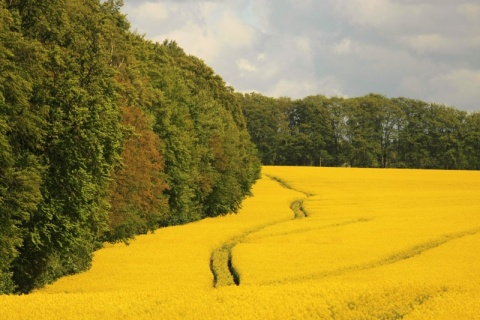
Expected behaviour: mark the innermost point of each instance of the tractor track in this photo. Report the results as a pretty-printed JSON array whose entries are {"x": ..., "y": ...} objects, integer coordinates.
[
  {"x": 221, "y": 265},
  {"x": 393, "y": 258}
]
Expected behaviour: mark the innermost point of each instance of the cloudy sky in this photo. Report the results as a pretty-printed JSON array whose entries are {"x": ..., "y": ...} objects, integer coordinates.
[{"x": 422, "y": 49}]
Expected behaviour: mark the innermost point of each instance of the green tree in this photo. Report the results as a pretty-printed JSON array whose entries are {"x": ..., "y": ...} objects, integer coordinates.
[
  {"x": 412, "y": 152},
  {"x": 269, "y": 126},
  {"x": 201, "y": 123},
  {"x": 82, "y": 141},
  {"x": 312, "y": 130},
  {"x": 22, "y": 130},
  {"x": 363, "y": 132},
  {"x": 81, "y": 98},
  {"x": 446, "y": 137},
  {"x": 472, "y": 141}
]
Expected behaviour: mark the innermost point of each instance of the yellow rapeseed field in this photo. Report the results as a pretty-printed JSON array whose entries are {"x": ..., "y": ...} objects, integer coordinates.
[{"x": 375, "y": 244}]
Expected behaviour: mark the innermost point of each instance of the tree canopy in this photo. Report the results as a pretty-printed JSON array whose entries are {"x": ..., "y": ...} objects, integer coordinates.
[
  {"x": 105, "y": 135},
  {"x": 370, "y": 131}
]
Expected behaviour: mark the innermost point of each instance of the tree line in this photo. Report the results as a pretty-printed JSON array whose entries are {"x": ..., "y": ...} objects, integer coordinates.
[
  {"x": 105, "y": 135},
  {"x": 370, "y": 131}
]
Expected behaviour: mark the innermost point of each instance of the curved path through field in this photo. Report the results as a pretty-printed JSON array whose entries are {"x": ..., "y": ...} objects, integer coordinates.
[
  {"x": 180, "y": 256},
  {"x": 361, "y": 220},
  {"x": 223, "y": 270}
]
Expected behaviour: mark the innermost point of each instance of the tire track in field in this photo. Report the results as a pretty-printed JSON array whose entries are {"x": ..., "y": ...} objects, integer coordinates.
[
  {"x": 286, "y": 185},
  {"x": 224, "y": 273},
  {"x": 394, "y": 258},
  {"x": 327, "y": 226},
  {"x": 221, "y": 266}
]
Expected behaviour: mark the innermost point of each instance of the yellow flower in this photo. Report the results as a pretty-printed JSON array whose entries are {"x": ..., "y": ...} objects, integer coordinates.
[{"x": 376, "y": 243}]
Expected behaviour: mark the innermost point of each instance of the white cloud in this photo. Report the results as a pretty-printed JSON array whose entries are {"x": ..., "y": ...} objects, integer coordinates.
[
  {"x": 424, "y": 49},
  {"x": 151, "y": 12},
  {"x": 233, "y": 31},
  {"x": 245, "y": 65},
  {"x": 261, "y": 56},
  {"x": 412, "y": 84},
  {"x": 470, "y": 11},
  {"x": 209, "y": 29},
  {"x": 343, "y": 47},
  {"x": 304, "y": 45},
  {"x": 301, "y": 3},
  {"x": 195, "y": 40},
  {"x": 465, "y": 80},
  {"x": 450, "y": 87},
  {"x": 433, "y": 42},
  {"x": 270, "y": 71},
  {"x": 375, "y": 13},
  {"x": 457, "y": 85},
  {"x": 297, "y": 89}
]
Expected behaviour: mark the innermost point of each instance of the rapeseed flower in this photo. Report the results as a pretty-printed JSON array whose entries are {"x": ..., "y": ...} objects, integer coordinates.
[{"x": 376, "y": 244}]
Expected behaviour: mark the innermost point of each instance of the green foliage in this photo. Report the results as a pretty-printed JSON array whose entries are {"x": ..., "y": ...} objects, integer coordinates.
[
  {"x": 103, "y": 136},
  {"x": 472, "y": 140},
  {"x": 267, "y": 123},
  {"x": 22, "y": 130},
  {"x": 210, "y": 163},
  {"x": 82, "y": 142},
  {"x": 369, "y": 131}
]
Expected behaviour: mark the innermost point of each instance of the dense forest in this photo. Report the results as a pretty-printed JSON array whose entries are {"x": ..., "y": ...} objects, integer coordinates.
[
  {"x": 371, "y": 131},
  {"x": 105, "y": 135}
]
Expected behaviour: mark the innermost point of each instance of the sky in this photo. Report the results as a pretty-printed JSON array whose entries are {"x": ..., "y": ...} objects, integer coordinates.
[{"x": 421, "y": 49}]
